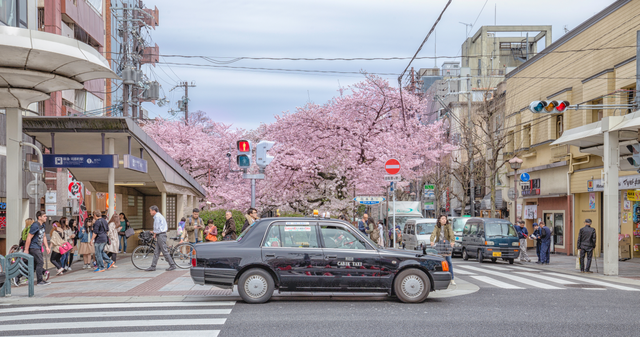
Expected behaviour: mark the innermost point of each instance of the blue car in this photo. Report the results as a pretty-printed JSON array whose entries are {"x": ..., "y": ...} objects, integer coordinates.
[{"x": 486, "y": 238}]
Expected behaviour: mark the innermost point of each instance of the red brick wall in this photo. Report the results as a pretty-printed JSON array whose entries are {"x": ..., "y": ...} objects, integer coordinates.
[{"x": 560, "y": 204}]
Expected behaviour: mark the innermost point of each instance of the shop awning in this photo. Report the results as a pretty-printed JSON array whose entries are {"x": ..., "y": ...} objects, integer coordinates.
[{"x": 583, "y": 136}]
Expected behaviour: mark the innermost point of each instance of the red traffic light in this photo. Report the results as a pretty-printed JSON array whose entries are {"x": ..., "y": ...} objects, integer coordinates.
[
  {"x": 244, "y": 146},
  {"x": 562, "y": 106}
]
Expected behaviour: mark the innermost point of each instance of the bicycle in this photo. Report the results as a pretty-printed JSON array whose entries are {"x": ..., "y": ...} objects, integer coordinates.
[{"x": 142, "y": 256}]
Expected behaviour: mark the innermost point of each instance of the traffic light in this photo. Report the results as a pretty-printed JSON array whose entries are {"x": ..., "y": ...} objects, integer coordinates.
[
  {"x": 262, "y": 158},
  {"x": 634, "y": 160},
  {"x": 548, "y": 106},
  {"x": 244, "y": 153}
]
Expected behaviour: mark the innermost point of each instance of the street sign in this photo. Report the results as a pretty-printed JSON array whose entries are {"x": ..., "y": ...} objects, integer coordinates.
[
  {"x": 252, "y": 176},
  {"x": 34, "y": 167},
  {"x": 429, "y": 187},
  {"x": 80, "y": 160},
  {"x": 396, "y": 177},
  {"x": 369, "y": 200},
  {"x": 511, "y": 194},
  {"x": 524, "y": 177},
  {"x": 429, "y": 206},
  {"x": 392, "y": 166},
  {"x": 134, "y": 163},
  {"x": 36, "y": 189}
]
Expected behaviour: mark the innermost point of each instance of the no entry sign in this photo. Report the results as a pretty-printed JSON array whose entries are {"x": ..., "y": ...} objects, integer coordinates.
[{"x": 392, "y": 166}]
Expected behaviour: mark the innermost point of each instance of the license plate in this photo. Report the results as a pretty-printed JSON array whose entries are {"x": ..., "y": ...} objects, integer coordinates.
[{"x": 498, "y": 254}]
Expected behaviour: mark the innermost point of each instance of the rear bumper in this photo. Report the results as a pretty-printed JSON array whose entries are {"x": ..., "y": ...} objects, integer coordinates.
[
  {"x": 441, "y": 280},
  {"x": 197, "y": 275}
]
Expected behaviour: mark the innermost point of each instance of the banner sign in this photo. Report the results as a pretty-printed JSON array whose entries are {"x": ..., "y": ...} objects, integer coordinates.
[
  {"x": 624, "y": 183},
  {"x": 80, "y": 160},
  {"x": 134, "y": 163}
]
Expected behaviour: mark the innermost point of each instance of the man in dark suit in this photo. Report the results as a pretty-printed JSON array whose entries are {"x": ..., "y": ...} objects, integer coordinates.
[
  {"x": 586, "y": 244},
  {"x": 545, "y": 244},
  {"x": 536, "y": 237}
]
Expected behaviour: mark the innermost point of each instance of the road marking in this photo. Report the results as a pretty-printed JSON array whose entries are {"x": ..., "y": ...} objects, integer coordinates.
[
  {"x": 498, "y": 268},
  {"x": 587, "y": 280},
  {"x": 122, "y": 314},
  {"x": 523, "y": 268},
  {"x": 117, "y": 305},
  {"x": 462, "y": 272},
  {"x": 113, "y": 324},
  {"x": 515, "y": 278},
  {"x": 494, "y": 282},
  {"x": 169, "y": 333},
  {"x": 547, "y": 278}
]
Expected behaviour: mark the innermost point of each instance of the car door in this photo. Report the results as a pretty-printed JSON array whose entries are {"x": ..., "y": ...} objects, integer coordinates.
[
  {"x": 413, "y": 240},
  {"x": 351, "y": 263},
  {"x": 292, "y": 250},
  {"x": 472, "y": 245}
]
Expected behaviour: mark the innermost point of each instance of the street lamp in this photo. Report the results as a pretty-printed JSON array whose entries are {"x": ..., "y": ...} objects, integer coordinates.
[{"x": 515, "y": 164}]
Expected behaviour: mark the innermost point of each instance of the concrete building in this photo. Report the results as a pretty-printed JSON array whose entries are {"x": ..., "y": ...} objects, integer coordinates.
[{"x": 594, "y": 64}]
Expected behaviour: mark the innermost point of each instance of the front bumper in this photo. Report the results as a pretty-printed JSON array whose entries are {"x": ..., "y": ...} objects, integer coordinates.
[
  {"x": 505, "y": 253},
  {"x": 441, "y": 280},
  {"x": 457, "y": 248}
]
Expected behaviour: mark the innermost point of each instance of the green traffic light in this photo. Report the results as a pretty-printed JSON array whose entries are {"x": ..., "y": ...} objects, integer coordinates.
[{"x": 244, "y": 161}]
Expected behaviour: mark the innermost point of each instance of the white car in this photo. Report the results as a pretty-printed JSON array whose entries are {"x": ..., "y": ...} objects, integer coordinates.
[{"x": 417, "y": 233}]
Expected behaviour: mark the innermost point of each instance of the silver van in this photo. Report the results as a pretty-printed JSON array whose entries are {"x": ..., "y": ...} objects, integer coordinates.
[{"x": 417, "y": 233}]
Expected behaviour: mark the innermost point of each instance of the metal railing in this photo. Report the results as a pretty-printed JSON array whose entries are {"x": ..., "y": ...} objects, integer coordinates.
[{"x": 14, "y": 265}]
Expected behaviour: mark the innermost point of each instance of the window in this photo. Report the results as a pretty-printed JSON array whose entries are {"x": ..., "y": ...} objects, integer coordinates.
[
  {"x": 338, "y": 237},
  {"x": 479, "y": 66},
  {"x": 501, "y": 229},
  {"x": 459, "y": 224},
  {"x": 467, "y": 229},
  {"x": 480, "y": 229},
  {"x": 508, "y": 148},
  {"x": 631, "y": 98},
  {"x": 559, "y": 126},
  {"x": 13, "y": 13},
  {"x": 474, "y": 229},
  {"x": 425, "y": 228},
  {"x": 299, "y": 235},
  {"x": 526, "y": 136}
]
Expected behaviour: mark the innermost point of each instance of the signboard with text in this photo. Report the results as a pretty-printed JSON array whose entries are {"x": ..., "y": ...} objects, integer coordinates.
[
  {"x": 365, "y": 200},
  {"x": 80, "y": 160},
  {"x": 134, "y": 163}
]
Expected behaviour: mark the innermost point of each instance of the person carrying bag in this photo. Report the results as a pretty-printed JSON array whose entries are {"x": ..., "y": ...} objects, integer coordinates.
[{"x": 211, "y": 232}]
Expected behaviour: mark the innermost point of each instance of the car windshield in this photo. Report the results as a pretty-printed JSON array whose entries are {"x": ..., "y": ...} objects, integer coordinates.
[
  {"x": 504, "y": 229},
  {"x": 401, "y": 220},
  {"x": 244, "y": 233},
  {"x": 458, "y": 224},
  {"x": 425, "y": 228}
]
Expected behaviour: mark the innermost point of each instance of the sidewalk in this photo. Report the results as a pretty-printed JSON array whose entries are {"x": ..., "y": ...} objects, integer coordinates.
[
  {"x": 628, "y": 271},
  {"x": 121, "y": 284}
]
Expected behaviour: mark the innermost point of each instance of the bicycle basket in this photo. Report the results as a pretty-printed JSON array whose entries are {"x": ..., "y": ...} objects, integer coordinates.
[{"x": 146, "y": 237}]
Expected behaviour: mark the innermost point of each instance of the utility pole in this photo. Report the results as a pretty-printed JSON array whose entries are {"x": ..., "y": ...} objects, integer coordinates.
[
  {"x": 125, "y": 57},
  {"x": 184, "y": 106},
  {"x": 472, "y": 183}
]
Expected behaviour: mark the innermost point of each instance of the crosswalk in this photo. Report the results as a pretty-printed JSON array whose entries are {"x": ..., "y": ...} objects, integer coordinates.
[
  {"x": 191, "y": 319},
  {"x": 505, "y": 276}
]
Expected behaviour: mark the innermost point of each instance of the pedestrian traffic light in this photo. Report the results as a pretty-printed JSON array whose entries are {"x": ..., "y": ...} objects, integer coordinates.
[
  {"x": 244, "y": 153},
  {"x": 548, "y": 106},
  {"x": 634, "y": 160},
  {"x": 262, "y": 158}
]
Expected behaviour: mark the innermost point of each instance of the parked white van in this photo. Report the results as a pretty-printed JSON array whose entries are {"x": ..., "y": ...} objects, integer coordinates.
[{"x": 417, "y": 233}]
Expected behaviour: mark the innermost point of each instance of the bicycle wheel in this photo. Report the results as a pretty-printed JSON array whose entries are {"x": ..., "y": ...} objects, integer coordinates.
[
  {"x": 182, "y": 255},
  {"x": 142, "y": 257}
]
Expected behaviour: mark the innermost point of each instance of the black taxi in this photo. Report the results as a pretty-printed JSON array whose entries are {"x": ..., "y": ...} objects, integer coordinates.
[{"x": 315, "y": 254}]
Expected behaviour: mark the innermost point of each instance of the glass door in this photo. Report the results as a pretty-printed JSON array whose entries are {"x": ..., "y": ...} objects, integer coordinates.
[{"x": 555, "y": 221}]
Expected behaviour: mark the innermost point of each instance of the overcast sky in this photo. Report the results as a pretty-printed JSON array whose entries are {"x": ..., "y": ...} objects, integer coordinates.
[{"x": 224, "y": 30}]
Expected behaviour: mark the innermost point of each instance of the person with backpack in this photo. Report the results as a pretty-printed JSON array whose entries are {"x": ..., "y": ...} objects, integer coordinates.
[
  {"x": 99, "y": 240},
  {"x": 194, "y": 226}
]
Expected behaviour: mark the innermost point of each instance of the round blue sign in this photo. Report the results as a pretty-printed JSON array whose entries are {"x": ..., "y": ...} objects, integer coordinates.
[{"x": 525, "y": 177}]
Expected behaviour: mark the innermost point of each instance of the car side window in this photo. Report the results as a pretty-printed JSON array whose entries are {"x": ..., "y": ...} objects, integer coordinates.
[
  {"x": 466, "y": 229},
  {"x": 480, "y": 229},
  {"x": 474, "y": 229},
  {"x": 340, "y": 238},
  {"x": 293, "y": 236}
]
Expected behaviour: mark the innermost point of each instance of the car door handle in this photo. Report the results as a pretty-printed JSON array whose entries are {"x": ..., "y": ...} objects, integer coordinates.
[
  {"x": 270, "y": 255},
  {"x": 332, "y": 256}
]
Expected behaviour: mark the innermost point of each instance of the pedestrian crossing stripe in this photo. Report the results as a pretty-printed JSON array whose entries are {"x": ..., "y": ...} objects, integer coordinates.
[
  {"x": 547, "y": 278},
  {"x": 113, "y": 324},
  {"x": 518, "y": 279},
  {"x": 494, "y": 282},
  {"x": 116, "y": 306},
  {"x": 168, "y": 333},
  {"x": 592, "y": 281},
  {"x": 126, "y": 313}
]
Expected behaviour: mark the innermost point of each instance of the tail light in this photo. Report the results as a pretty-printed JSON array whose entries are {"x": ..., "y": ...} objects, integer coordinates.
[
  {"x": 445, "y": 266},
  {"x": 193, "y": 261}
]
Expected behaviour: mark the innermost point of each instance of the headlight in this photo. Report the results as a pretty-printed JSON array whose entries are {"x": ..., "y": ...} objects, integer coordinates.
[
  {"x": 517, "y": 244},
  {"x": 489, "y": 243},
  {"x": 457, "y": 244}
]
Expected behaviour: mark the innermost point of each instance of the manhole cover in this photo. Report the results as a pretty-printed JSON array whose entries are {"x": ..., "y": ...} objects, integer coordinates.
[{"x": 592, "y": 286}]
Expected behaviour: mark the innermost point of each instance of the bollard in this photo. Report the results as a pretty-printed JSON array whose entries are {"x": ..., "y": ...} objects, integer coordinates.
[{"x": 17, "y": 264}]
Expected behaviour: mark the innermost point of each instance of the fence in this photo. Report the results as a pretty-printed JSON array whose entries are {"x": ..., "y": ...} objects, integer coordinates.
[{"x": 13, "y": 265}]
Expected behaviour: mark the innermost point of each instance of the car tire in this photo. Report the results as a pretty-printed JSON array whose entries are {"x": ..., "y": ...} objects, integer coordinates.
[
  {"x": 412, "y": 286},
  {"x": 465, "y": 255},
  {"x": 510, "y": 261},
  {"x": 255, "y": 286},
  {"x": 480, "y": 257}
]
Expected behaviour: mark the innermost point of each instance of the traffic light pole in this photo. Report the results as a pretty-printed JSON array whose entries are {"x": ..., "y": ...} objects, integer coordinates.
[{"x": 472, "y": 182}]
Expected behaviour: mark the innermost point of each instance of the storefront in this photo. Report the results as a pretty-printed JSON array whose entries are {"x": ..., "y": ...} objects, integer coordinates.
[{"x": 3, "y": 224}]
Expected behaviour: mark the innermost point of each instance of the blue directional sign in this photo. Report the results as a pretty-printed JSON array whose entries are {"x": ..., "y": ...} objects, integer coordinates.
[
  {"x": 525, "y": 177},
  {"x": 134, "y": 163},
  {"x": 80, "y": 160}
]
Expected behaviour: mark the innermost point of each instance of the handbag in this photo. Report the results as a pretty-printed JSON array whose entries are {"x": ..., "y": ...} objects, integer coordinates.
[
  {"x": 211, "y": 238},
  {"x": 65, "y": 248},
  {"x": 130, "y": 231}
]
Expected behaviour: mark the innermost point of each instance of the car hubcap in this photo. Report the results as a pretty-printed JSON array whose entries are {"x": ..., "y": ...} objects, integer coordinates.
[
  {"x": 255, "y": 286},
  {"x": 412, "y": 286}
]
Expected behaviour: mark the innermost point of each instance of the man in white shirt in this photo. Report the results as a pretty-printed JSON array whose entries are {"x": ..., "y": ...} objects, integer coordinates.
[{"x": 160, "y": 234}]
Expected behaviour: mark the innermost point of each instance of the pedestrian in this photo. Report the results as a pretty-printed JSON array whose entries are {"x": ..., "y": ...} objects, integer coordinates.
[
  {"x": 86, "y": 249},
  {"x": 35, "y": 240},
  {"x": 398, "y": 236},
  {"x": 545, "y": 244},
  {"x": 444, "y": 239},
  {"x": 57, "y": 240},
  {"x": 70, "y": 236},
  {"x": 523, "y": 234},
  {"x": 194, "y": 227},
  {"x": 211, "y": 231},
  {"x": 25, "y": 234},
  {"x": 180, "y": 229},
  {"x": 381, "y": 236},
  {"x": 62, "y": 224},
  {"x": 251, "y": 217},
  {"x": 535, "y": 236},
  {"x": 586, "y": 244},
  {"x": 372, "y": 230},
  {"x": 160, "y": 234},
  {"x": 112, "y": 245},
  {"x": 124, "y": 225},
  {"x": 362, "y": 224},
  {"x": 229, "y": 230},
  {"x": 99, "y": 241}
]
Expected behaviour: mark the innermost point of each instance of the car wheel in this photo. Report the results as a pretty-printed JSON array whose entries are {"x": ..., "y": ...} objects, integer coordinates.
[
  {"x": 493, "y": 259},
  {"x": 480, "y": 257},
  {"x": 510, "y": 261},
  {"x": 465, "y": 256},
  {"x": 255, "y": 286},
  {"x": 412, "y": 286}
]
